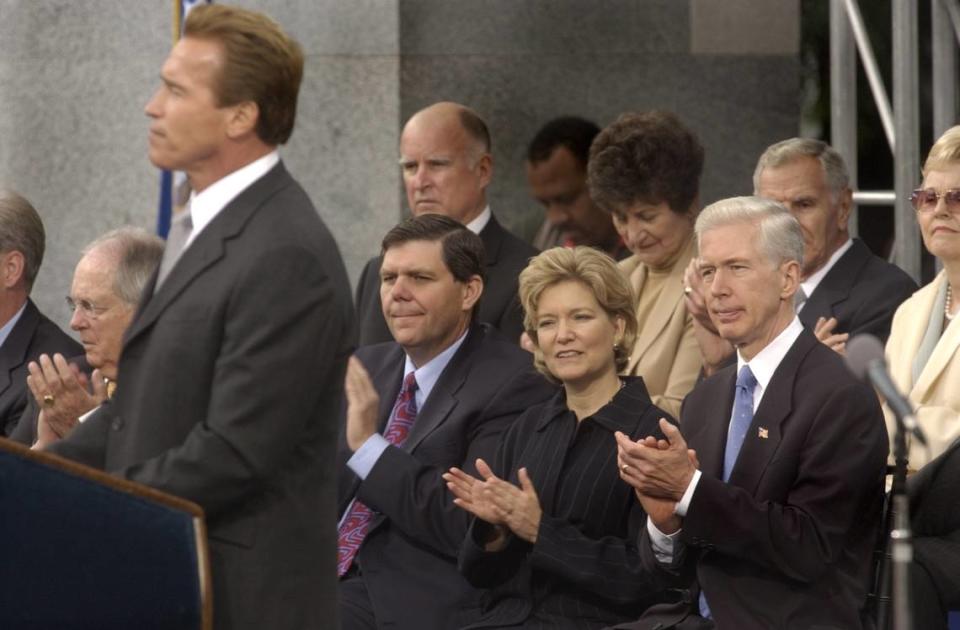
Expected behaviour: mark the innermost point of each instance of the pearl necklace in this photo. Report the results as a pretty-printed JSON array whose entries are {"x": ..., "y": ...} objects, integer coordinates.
[{"x": 948, "y": 304}]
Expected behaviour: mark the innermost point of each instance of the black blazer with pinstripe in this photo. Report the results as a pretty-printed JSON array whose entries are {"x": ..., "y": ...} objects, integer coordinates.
[{"x": 584, "y": 571}]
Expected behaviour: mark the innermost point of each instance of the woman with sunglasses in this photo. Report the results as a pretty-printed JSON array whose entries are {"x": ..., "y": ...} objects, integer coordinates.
[{"x": 923, "y": 353}]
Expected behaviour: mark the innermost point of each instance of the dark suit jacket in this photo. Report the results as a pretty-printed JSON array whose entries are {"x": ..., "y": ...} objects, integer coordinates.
[
  {"x": 935, "y": 521},
  {"x": 26, "y": 430},
  {"x": 584, "y": 570},
  {"x": 231, "y": 379},
  {"x": 787, "y": 542},
  {"x": 862, "y": 291},
  {"x": 32, "y": 336},
  {"x": 408, "y": 558},
  {"x": 506, "y": 257}
]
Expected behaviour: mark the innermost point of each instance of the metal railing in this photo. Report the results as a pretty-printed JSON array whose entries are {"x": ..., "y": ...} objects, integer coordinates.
[{"x": 901, "y": 122}]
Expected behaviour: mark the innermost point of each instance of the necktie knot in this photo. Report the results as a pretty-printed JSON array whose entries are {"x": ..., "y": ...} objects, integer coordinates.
[
  {"x": 409, "y": 383},
  {"x": 746, "y": 379}
]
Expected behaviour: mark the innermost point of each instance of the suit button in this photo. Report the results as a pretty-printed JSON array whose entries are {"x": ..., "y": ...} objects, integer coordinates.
[{"x": 117, "y": 423}]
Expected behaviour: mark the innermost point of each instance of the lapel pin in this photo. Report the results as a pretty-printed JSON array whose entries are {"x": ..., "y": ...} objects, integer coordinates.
[{"x": 763, "y": 433}]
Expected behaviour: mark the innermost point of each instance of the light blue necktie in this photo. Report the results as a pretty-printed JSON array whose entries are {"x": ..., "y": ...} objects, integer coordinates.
[
  {"x": 739, "y": 423},
  {"x": 740, "y": 420}
]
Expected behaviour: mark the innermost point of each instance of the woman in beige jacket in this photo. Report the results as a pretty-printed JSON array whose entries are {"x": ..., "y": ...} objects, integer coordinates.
[
  {"x": 922, "y": 350},
  {"x": 645, "y": 170}
]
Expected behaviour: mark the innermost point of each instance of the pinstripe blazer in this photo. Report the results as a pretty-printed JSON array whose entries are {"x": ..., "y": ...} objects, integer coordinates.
[{"x": 584, "y": 571}]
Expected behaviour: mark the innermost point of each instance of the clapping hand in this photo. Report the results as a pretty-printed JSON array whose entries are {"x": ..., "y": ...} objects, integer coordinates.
[
  {"x": 63, "y": 393},
  {"x": 497, "y": 501}
]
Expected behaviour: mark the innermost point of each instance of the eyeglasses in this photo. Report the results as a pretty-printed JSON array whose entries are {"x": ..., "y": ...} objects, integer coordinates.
[
  {"x": 925, "y": 199},
  {"x": 89, "y": 309}
]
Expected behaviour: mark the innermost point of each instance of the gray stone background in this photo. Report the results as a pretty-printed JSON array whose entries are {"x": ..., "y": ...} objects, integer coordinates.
[{"x": 75, "y": 75}]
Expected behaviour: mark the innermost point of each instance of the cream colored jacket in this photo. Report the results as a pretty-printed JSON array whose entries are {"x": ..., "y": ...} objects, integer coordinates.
[
  {"x": 666, "y": 354},
  {"x": 936, "y": 394}
]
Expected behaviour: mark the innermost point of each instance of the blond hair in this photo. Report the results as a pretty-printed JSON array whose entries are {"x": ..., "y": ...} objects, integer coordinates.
[{"x": 594, "y": 270}]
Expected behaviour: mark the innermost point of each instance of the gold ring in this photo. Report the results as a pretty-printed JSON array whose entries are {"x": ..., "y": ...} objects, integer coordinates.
[
  {"x": 624, "y": 468},
  {"x": 48, "y": 400},
  {"x": 687, "y": 290}
]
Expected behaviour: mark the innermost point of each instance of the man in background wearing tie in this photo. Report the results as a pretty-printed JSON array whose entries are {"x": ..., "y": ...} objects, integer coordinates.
[
  {"x": 845, "y": 290},
  {"x": 438, "y": 396},
  {"x": 231, "y": 374},
  {"x": 776, "y": 510}
]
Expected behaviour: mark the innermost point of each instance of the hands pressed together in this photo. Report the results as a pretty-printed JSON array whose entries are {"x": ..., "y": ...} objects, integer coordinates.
[
  {"x": 659, "y": 472},
  {"x": 63, "y": 393},
  {"x": 498, "y": 502}
]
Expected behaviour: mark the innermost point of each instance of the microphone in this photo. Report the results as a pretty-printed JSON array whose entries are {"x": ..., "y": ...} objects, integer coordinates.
[{"x": 865, "y": 359}]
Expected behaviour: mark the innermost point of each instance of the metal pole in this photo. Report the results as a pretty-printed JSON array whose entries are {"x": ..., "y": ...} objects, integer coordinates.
[
  {"x": 874, "y": 197},
  {"x": 872, "y": 71},
  {"x": 906, "y": 248},
  {"x": 944, "y": 53},
  {"x": 843, "y": 96}
]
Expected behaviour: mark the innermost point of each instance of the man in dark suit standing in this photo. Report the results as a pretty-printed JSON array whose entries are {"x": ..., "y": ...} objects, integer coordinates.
[
  {"x": 231, "y": 373},
  {"x": 779, "y": 517},
  {"x": 25, "y": 333},
  {"x": 438, "y": 396},
  {"x": 446, "y": 161}
]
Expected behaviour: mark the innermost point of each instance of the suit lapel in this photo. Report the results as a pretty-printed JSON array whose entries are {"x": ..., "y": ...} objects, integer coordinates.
[
  {"x": 941, "y": 358},
  {"x": 765, "y": 432},
  {"x": 836, "y": 285},
  {"x": 206, "y": 249},
  {"x": 13, "y": 352},
  {"x": 711, "y": 439},
  {"x": 492, "y": 237},
  {"x": 388, "y": 378},
  {"x": 443, "y": 397}
]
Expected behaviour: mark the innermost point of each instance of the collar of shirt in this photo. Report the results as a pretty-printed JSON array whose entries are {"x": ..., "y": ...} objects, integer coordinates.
[
  {"x": 622, "y": 413},
  {"x": 810, "y": 284},
  {"x": 5, "y": 330},
  {"x": 429, "y": 373},
  {"x": 481, "y": 221},
  {"x": 767, "y": 360},
  {"x": 206, "y": 205}
]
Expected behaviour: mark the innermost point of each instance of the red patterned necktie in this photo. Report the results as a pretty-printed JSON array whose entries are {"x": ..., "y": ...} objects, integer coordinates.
[{"x": 354, "y": 527}]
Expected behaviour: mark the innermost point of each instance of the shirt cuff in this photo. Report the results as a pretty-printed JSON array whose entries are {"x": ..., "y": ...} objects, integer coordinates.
[
  {"x": 684, "y": 503},
  {"x": 365, "y": 457},
  {"x": 662, "y": 544}
]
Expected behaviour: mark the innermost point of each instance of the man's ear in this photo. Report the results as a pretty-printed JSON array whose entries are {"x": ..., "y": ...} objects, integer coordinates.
[
  {"x": 791, "y": 279},
  {"x": 473, "y": 288},
  {"x": 844, "y": 208},
  {"x": 484, "y": 169},
  {"x": 242, "y": 119},
  {"x": 12, "y": 267}
]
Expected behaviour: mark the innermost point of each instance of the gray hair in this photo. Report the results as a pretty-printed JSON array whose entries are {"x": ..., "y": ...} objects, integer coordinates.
[
  {"x": 781, "y": 239},
  {"x": 786, "y": 151},
  {"x": 138, "y": 254},
  {"x": 22, "y": 230}
]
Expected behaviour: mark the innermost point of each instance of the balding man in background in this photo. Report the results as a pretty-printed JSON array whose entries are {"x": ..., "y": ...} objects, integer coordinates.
[
  {"x": 25, "y": 333},
  {"x": 107, "y": 285},
  {"x": 445, "y": 157}
]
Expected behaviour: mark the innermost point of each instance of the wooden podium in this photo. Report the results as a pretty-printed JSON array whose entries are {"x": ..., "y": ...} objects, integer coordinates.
[{"x": 84, "y": 549}]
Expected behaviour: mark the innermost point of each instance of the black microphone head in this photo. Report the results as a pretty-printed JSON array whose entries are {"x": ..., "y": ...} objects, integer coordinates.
[{"x": 862, "y": 351}]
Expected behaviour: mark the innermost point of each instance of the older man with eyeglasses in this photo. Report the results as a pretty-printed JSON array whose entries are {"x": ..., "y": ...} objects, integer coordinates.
[{"x": 107, "y": 284}]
